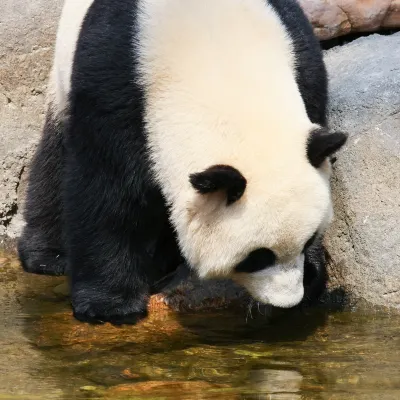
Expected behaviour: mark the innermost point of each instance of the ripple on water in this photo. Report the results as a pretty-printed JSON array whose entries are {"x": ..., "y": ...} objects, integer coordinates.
[{"x": 312, "y": 354}]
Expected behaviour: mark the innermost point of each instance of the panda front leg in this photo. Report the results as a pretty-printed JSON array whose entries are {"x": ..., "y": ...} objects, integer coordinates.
[
  {"x": 111, "y": 239},
  {"x": 315, "y": 273},
  {"x": 40, "y": 245}
]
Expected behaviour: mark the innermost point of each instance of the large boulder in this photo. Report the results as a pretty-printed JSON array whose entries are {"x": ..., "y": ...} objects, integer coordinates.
[
  {"x": 333, "y": 18},
  {"x": 364, "y": 240},
  {"x": 27, "y": 33}
]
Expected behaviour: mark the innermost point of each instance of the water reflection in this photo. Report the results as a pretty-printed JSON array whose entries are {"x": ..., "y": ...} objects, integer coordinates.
[
  {"x": 280, "y": 384},
  {"x": 305, "y": 354}
]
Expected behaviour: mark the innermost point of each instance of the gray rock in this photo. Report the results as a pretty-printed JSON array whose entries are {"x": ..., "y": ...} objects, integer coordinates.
[
  {"x": 27, "y": 33},
  {"x": 364, "y": 240}
]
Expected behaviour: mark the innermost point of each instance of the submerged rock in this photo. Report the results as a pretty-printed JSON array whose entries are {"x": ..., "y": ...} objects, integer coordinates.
[{"x": 165, "y": 389}]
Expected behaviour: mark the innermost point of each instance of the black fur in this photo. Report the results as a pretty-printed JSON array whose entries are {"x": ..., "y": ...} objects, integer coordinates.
[
  {"x": 119, "y": 239},
  {"x": 315, "y": 274},
  {"x": 220, "y": 177},
  {"x": 312, "y": 80},
  {"x": 40, "y": 246},
  {"x": 118, "y": 242},
  {"x": 93, "y": 209},
  {"x": 256, "y": 261},
  {"x": 310, "y": 68},
  {"x": 310, "y": 242},
  {"x": 322, "y": 144}
]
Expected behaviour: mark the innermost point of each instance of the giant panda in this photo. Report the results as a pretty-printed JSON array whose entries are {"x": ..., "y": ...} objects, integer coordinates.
[{"x": 181, "y": 131}]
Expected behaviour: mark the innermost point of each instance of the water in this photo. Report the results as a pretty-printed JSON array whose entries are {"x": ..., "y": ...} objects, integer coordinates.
[{"x": 314, "y": 354}]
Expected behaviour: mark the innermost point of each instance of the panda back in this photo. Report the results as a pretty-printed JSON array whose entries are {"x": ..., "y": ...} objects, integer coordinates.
[
  {"x": 310, "y": 67},
  {"x": 105, "y": 49}
]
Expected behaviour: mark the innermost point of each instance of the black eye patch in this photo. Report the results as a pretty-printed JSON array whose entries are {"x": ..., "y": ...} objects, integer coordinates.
[{"x": 257, "y": 260}]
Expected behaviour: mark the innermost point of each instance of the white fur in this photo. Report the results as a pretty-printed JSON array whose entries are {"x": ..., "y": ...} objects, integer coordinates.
[
  {"x": 280, "y": 285},
  {"x": 221, "y": 89},
  {"x": 72, "y": 16}
]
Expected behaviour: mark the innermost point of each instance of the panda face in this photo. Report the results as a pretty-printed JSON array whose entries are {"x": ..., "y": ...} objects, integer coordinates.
[{"x": 257, "y": 234}]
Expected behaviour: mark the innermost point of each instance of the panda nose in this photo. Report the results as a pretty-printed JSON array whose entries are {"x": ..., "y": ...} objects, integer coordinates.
[
  {"x": 280, "y": 285},
  {"x": 256, "y": 261}
]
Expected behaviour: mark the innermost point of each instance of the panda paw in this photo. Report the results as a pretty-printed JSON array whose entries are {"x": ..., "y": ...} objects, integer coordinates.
[
  {"x": 41, "y": 260},
  {"x": 101, "y": 308},
  {"x": 44, "y": 263},
  {"x": 92, "y": 317}
]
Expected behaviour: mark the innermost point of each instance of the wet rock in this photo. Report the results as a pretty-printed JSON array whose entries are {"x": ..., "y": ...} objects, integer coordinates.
[
  {"x": 61, "y": 329},
  {"x": 332, "y": 18},
  {"x": 287, "y": 383},
  {"x": 188, "y": 293},
  {"x": 128, "y": 374},
  {"x": 91, "y": 392},
  {"x": 364, "y": 240},
  {"x": 177, "y": 389},
  {"x": 62, "y": 290}
]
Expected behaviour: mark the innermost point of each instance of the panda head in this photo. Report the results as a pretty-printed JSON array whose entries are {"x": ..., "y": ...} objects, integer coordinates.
[{"x": 253, "y": 226}]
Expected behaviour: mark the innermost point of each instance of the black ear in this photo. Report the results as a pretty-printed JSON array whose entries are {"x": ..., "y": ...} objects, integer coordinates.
[
  {"x": 322, "y": 144},
  {"x": 220, "y": 177}
]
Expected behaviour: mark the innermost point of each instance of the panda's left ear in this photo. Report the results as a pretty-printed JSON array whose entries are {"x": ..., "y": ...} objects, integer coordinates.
[
  {"x": 220, "y": 178},
  {"x": 322, "y": 144}
]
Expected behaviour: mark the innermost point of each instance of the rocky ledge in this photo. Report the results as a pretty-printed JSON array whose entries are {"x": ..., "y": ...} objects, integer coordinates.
[{"x": 364, "y": 241}]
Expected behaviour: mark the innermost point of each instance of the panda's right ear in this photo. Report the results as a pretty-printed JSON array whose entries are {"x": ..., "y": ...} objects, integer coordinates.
[
  {"x": 322, "y": 144},
  {"x": 220, "y": 178}
]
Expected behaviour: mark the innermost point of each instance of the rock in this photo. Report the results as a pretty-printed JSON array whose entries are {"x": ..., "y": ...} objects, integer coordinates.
[
  {"x": 175, "y": 389},
  {"x": 27, "y": 32},
  {"x": 187, "y": 292},
  {"x": 62, "y": 290},
  {"x": 88, "y": 388},
  {"x": 392, "y": 19},
  {"x": 287, "y": 383},
  {"x": 61, "y": 329},
  {"x": 364, "y": 240},
  {"x": 332, "y": 18}
]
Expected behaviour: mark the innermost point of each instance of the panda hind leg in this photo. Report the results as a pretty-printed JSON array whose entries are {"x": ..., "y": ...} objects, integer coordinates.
[{"x": 39, "y": 247}]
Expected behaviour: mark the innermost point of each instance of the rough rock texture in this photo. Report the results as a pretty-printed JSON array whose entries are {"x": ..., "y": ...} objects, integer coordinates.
[
  {"x": 332, "y": 18},
  {"x": 27, "y": 32},
  {"x": 364, "y": 241}
]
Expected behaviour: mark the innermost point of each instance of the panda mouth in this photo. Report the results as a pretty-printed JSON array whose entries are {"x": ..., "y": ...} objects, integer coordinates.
[{"x": 280, "y": 285}]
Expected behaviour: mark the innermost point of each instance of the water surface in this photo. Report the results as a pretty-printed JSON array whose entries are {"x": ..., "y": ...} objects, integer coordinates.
[{"x": 310, "y": 354}]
